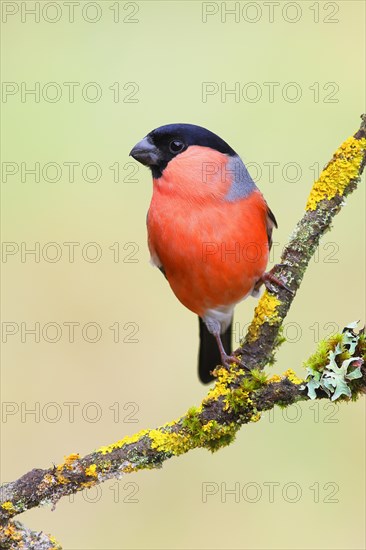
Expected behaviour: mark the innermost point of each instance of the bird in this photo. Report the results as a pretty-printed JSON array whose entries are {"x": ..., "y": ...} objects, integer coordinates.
[{"x": 209, "y": 230}]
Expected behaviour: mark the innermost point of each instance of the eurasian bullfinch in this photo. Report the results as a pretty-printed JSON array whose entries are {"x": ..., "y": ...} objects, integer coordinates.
[{"x": 209, "y": 229}]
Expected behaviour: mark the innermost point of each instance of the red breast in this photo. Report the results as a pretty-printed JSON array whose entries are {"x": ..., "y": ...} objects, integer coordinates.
[{"x": 213, "y": 250}]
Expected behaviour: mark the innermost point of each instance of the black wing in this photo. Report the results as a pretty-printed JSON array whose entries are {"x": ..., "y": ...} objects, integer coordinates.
[{"x": 271, "y": 223}]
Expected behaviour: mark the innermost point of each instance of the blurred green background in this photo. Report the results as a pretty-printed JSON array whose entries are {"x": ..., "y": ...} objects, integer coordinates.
[{"x": 149, "y": 62}]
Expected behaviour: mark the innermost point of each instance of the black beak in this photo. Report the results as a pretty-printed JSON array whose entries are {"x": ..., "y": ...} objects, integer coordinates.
[{"x": 145, "y": 152}]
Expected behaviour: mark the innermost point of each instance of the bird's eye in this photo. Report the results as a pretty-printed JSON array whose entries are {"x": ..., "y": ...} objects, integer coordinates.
[{"x": 176, "y": 146}]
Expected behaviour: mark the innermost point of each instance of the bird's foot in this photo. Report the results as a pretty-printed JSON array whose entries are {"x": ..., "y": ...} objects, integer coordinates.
[
  {"x": 227, "y": 360},
  {"x": 269, "y": 278}
]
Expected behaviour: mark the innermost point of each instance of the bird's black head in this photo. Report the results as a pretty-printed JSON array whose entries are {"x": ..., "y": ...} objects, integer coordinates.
[{"x": 166, "y": 142}]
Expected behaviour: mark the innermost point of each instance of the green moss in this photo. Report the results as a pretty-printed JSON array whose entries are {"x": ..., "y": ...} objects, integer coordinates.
[
  {"x": 319, "y": 360},
  {"x": 236, "y": 399},
  {"x": 335, "y": 368},
  {"x": 361, "y": 346},
  {"x": 219, "y": 435},
  {"x": 248, "y": 384},
  {"x": 279, "y": 340},
  {"x": 259, "y": 378},
  {"x": 192, "y": 421}
]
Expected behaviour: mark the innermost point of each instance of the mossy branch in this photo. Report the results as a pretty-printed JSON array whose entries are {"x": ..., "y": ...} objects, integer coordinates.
[
  {"x": 240, "y": 394},
  {"x": 15, "y": 535}
]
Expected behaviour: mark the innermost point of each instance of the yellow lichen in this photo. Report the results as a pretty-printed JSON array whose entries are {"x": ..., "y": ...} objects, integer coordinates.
[
  {"x": 11, "y": 532},
  {"x": 69, "y": 460},
  {"x": 193, "y": 431},
  {"x": 217, "y": 435},
  {"x": 56, "y": 544},
  {"x": 217, "y": 430},
  {"x": 8, "y": 506},
  {"x": 48, "y": 479},
  {"x": 290, "y": 374},
  {"x": 255, "y": 417},
  {"x": 335, "y": 177},
  {"x": 62, "y": 468},
  {"x": 91, "y": 470},
  {"x": 220, "y": 389},
  {"x": 265, "y": 312},
  {"x": 62, "y": 479},
  {"x": 167, "y": 442},
  {"x": 125, "y": 441},
  {"x": 87, "y": 484},
  {"x": 225, "y": 376},
  {"x": 162, "y": 440},
  {"x": 129, "y": 468},
  {"x": 274, "y": 378}
]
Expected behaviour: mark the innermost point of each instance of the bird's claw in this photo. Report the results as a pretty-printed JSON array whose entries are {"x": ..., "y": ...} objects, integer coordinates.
[
  {"x": 269, "y": 278},
  {"x": 227, "y": 360}
]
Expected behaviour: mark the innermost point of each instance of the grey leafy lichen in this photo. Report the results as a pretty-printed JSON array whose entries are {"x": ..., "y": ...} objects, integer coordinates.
[{"x": 342, "y": 366}]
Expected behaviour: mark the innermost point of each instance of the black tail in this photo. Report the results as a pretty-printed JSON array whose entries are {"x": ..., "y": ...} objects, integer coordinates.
[{"x": 209, "y": 356}]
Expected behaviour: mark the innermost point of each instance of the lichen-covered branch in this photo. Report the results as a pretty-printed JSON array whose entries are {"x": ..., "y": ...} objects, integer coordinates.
[
  {"x": 241, "y": 393},
  {"x": 14, "y": 535},
  {"x": 339, "y": 178}
]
